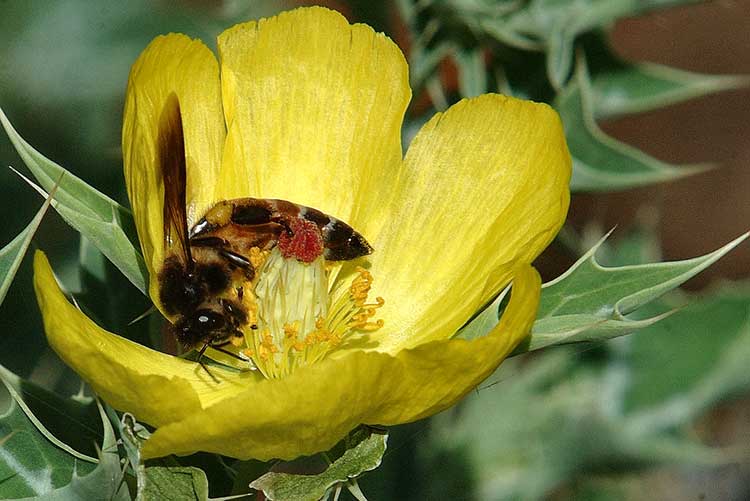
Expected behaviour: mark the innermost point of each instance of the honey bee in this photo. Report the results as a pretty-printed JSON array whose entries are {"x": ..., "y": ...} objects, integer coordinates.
[{"x": 200, "y": 281}]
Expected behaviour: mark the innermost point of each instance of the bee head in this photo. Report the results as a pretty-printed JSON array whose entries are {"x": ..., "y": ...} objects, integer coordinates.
[
  {"x": 214, "y": 322},
  {"x": 202, "y": 325}
]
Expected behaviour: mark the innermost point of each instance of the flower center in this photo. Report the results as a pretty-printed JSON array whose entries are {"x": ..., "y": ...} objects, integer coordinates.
[{"x": 301, "y": 313}]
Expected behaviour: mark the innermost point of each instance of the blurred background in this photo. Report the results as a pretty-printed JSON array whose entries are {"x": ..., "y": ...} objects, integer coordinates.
[{"x": 661, "y": 414}]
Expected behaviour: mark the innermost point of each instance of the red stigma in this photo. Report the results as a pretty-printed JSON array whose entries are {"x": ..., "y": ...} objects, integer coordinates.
[{"x": 305, "y": 242}]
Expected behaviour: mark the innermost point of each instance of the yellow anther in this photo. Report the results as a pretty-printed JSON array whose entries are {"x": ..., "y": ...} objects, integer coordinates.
[
  {"x": 291, "y": 330},
  {"x": 302, "y": 316},
  {"x": 320, "y": 322}
]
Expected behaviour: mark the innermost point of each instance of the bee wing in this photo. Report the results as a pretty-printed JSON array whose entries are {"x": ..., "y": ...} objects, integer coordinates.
[{"x": 171, "y": 148}]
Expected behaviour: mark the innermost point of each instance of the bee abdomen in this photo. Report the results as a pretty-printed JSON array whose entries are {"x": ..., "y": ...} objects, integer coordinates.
[{"x": 343, "y": 243}]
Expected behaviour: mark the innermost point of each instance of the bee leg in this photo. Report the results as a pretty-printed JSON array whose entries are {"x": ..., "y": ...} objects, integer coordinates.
[
  {"x": 200, "y": 356},
  {"x": 219, "y": 348}
]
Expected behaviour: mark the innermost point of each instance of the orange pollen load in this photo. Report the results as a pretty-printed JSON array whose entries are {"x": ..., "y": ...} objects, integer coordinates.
[{"x": 305, "y": 242}]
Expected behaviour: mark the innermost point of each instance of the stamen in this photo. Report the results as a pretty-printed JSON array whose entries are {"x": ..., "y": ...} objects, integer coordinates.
[{"x": 301, "y": 317}]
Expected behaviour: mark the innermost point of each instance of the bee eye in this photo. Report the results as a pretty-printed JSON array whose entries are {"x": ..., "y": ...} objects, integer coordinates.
[{"x": 207, "y": 320}]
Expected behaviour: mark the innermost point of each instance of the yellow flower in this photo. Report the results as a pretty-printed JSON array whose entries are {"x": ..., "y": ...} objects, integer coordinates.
[{"x": 307, "y": 108}]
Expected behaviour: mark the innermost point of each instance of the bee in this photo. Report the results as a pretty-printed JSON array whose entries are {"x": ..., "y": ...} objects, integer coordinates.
[{"x": 200, "y": 281}]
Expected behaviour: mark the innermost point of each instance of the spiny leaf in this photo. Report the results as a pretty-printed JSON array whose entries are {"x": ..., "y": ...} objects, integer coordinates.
[
  {"x": 600, "y": 162},
  {"x": 587, "y": 287},
  {"x": 105, "y": 482},
  {"x": 590, "y": 302},
  {"x": 364, "y": 456},
  {"x": 30, "y": 465},
  {"x": 12, "y": 254},
  {"x": 36, "y": 465},
  {"x": 634, "y": 88},
  {"x": 105, "y": 222},
  {"x": 72, "y": 412},
  {"x": 175, "y": 482},
  {"x": 557, "y": 24}
]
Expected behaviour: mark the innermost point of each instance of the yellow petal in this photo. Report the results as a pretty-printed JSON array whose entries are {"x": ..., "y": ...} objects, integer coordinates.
[
  {"x": 313, "y": 408},
  {"x": 155, "y": 387},
  {"x": 172, "y": 63},
  {"x": 484, "y": 185},
  {"x": 313, "y": 108}
]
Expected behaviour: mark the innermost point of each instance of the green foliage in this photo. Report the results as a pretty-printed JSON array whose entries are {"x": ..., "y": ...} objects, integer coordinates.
[
  {"x": 541, "y": 422},
  {"x": 620, "y": 88},
  {"x": 30, "y": 464},
  {"x": 528, "y": 49},
  {"x": 39, "y": 464},
  {"x": 565, "y": 416},
  {"x": 688, "y": 363},
  {"x": 613, "y": 407},
  {"x": 593, "y": 303},
  {"x": 179, "y": 482},
  {"x": 102, "y": 220},
  {"x": 600, "y": 162},
  {"x": 12, "y": 254},
  {"x": 359, "y": 457},
  {"x": 72, "y": 424},
  {"x": 590, "y": 302}
]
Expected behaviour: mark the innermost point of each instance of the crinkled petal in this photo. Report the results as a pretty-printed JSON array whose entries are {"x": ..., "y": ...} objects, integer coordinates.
[
  {"x": 171, "y": 63},
  {"x": 155, "y": 387},
  {"x": 313, "y": 108},
  {"x": 313, "y": 408},
  {"x": 484, "y": 185}
]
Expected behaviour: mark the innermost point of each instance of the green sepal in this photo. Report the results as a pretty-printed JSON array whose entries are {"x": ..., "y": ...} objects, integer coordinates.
[
  {"x": 102, "y": 220},
  {"x": 365, "y": 454}
]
